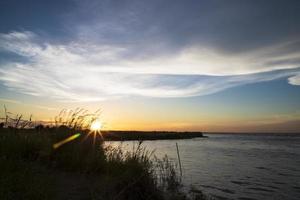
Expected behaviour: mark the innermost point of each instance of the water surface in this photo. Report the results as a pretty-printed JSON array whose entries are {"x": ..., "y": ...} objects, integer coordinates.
[{"x": 237, "y": 166}]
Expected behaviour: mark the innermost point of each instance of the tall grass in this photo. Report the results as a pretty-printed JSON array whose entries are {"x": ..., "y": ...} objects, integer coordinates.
[
  {"x": 32, "y": 169},
  {"x": 78, "y": 119},
  {"x": 15, "y": 121}
]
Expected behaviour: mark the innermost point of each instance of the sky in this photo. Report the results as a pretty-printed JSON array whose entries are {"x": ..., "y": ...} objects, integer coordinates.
[{"x": 192, "y": 65}]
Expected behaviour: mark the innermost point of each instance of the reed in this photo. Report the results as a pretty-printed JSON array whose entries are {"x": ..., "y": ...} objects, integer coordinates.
[{"x": 178, "y": 156}]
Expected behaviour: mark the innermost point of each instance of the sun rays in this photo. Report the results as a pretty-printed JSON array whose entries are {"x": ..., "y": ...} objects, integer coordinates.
[
  {"x": 96, "y": 126},
  {"x": 95, "y": 131}
]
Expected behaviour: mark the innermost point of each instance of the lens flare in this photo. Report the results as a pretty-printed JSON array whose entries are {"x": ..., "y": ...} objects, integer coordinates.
[{"x": 73, "y": 137}]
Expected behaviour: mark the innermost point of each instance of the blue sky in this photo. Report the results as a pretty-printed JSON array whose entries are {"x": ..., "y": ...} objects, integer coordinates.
[{"x": 243, "y": 55}]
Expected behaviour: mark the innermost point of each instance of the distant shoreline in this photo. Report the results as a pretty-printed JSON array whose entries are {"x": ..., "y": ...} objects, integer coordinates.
[
  {"x": 148, "y": 135},
  {"x": 254, "y": 133}
]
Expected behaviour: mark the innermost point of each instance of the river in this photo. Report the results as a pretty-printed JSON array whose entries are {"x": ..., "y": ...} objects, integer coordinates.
[{"x": 237, "y": 166}]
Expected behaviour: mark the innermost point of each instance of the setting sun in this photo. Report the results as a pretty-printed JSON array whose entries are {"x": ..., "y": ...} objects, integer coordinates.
[{"x": 96, "y": 126}]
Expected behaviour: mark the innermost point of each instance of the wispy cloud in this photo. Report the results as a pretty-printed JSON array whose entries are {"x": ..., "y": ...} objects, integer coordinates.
[
  {"x": 87, "y": 71},
  {"x": 294, "y": 80},
  {"x": 26, "y": 104}
]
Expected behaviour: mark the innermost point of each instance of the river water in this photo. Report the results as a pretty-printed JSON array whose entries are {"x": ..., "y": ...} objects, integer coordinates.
[{"x": 236, "y": 166}]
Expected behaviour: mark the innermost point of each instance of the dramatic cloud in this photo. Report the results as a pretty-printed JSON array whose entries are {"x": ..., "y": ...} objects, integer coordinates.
[
  {"x": 155, "y": 49},
  {"x": 87, "y": 72}
]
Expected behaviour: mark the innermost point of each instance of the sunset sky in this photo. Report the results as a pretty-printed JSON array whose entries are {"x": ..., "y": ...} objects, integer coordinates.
[{"x": 155, "y": 65}]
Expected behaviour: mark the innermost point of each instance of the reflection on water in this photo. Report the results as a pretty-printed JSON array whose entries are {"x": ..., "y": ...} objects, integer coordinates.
[{"x": 237, "y": 166}]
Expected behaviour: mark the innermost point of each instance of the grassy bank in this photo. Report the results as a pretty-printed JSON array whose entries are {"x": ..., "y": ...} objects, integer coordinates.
[
  {"x": 32, "y": 167},
  {"x": 68, "y": 161}
]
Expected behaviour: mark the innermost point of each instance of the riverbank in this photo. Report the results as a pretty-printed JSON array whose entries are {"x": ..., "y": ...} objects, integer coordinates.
[{"x": 59, "y": 163}]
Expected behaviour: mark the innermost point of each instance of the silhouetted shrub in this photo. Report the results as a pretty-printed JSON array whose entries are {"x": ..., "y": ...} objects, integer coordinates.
[{"x": 39, "y": 127}]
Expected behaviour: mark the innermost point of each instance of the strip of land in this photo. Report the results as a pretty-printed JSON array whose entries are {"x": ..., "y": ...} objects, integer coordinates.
[{"x": 148, "y": 135}]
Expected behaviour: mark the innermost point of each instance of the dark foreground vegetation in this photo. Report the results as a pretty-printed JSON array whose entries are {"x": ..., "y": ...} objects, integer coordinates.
[{"x": 32, "y": 167}]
